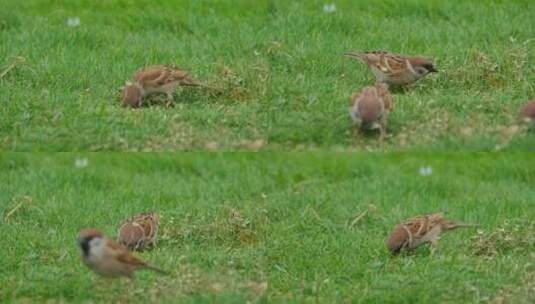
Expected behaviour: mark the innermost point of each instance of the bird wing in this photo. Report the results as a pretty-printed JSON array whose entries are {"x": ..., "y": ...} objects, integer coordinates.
[
  {"x": 159, "y": 75},
  {"x": 177, "y": 74},
  {"x": 148, "y": 221},
  {"x": 151, "y": 76},
  {"x": 123, "y": 255},
  {"x": 369, "y": 58},
  {"x": 393, "y": 64},
  {"x": 418, "y": 227},
  {"x": 434, "y": 217},
  {"x": 385, "y": 95}
]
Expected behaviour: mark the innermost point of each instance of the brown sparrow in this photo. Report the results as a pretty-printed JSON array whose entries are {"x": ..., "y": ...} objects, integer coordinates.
[
  {"x": 370, "y": 107},
  {"x": 107, "y": 258},
  {"x": 155, "y": 79},
  {"x": 139, "y": 231},
  {"x": 420, "y": 230},
  {"x": 394, "y": 69},
  {"x": 527, "y": 113}
]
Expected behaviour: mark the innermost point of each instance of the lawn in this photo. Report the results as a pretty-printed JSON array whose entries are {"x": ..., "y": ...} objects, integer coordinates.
[
  {"x": 306, "y": 227},
  {"x": 285, "y": 84}
]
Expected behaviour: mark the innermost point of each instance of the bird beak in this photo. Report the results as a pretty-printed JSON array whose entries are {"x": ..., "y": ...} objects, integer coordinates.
[{"x": 433, "y": 70}]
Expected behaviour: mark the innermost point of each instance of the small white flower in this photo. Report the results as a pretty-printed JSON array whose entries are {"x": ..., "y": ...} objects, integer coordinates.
[
  {"x": 329, "y": 8},
  {"x": 73, "y": 21},
  {"x": 81, "y": 162},
  {"x": 426, "y": 171}
]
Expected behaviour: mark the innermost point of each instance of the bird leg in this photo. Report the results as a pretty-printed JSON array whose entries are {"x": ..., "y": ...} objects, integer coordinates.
[
  {"x": 170, "y": 99},
  {"x": 355, "y": 132},
  {"x": 382, "y": 133},
  {"x": 130, "y": 284},
  {"x": 434, "y": 246}
]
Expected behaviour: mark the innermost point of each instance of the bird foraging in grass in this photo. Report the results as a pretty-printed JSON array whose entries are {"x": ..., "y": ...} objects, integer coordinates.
[
  {"x": 420, "y": 230},
  {"x": 139, "y": 231},
  {"x": 527, "y": 114},
  {"x": 164, "y": 79},
  {"x": 107, "y": 258},
  {"x": 395, "y": 69},
  {"x": 369, "y": 108}
]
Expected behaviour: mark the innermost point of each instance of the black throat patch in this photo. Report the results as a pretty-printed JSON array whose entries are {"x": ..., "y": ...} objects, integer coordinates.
[{"x": 84, "y": 244}]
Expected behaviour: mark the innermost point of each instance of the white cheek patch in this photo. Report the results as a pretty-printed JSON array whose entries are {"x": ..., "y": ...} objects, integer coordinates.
[{"x": 96, "y": 246}]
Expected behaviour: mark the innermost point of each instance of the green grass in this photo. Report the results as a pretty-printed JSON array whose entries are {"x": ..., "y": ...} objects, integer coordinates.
[
  {"x": 299, "y": 232},
  {"x": 285, "y": 82}
]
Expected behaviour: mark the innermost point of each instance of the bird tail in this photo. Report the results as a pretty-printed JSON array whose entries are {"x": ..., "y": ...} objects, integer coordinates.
[
  {"x": 455, "y": 225},
  {"x": 202, "y": 85},
  {"x": 466, "y": 225},
  {"x": 156, "y": 269},
  {"x": 355, "y": 55}
]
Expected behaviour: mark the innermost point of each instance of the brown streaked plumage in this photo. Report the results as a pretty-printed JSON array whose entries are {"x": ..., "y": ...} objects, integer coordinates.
[
  {"x": 395, "y": 69},
  {"x": 139, "y": 231},
  {"x": 155, "y": 79},
  {"x": 527, "y": 113},
  {"x": 107, "y": 258},
  {"x": 420, "y": 230},
  {"x": 370, "y": 107}
]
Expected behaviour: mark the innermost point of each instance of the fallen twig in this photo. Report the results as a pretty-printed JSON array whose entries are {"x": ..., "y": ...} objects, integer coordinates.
[
  {"x": 18, "y": 60},
  {"x": 17, "y": 207},
  {"x": 358, "y": 218}
]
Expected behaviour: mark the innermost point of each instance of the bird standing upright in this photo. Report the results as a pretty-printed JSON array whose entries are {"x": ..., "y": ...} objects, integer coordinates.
[
  {"x": 139, "y": 231},
  {"x": 395, "y": 69},
  {"x": 107, "y": 258},
  {"x": 370, "y": 108},
  {"x": 420, "y": 230}
]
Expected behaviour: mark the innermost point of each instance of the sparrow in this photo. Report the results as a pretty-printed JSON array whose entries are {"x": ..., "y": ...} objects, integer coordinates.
[
  {"x": 107, "y": 258},
  {"x": 527, "y": 113},
  {"x": 155, "y": 79},
  {"x": 420, "y": 230},
  {"x": 395, "y": 69},
  {"x": 370, "y": 107},
  {"x": 139, "y": 231}
]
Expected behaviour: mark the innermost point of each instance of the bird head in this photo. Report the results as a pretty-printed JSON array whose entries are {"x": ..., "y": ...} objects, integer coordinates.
[
  {"x": 88, "y": 236},
  {"x": 131, "y": 95},
  {"x": 423, "y": 66}
]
